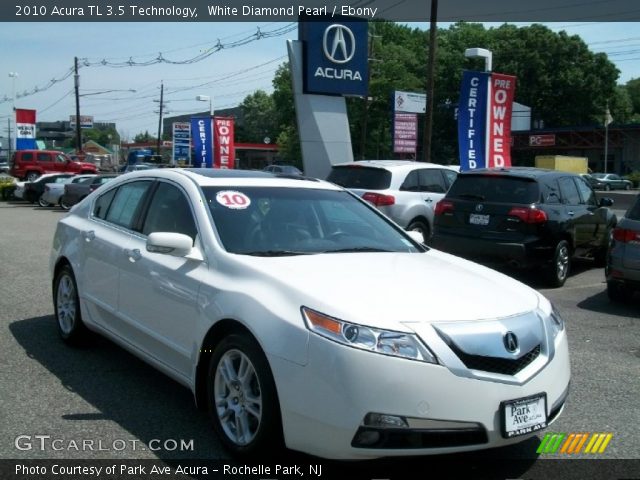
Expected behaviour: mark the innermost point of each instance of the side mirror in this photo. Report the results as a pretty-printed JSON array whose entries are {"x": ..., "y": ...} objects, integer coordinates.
[
  {"x": 605, "y": 202},
  {"x": 416, "y": 236},
  {"x": 169, "y": 243}
]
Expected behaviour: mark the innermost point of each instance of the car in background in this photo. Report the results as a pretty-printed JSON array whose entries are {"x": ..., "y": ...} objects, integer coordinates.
[
  {"x": 4, "y": 167},
  {"x": 53, "y": 191},
  {"x": 30, "y": 164},
  {"x": 405, "y": 191},
  {"x": 289, "y": 306},
  {"x": 623, "y": 260},
  {"x": 524, "y": 217},
  {"x": 595, "y": 183},
  {"x": 282, "y": 168},
  {"x": 612, "y": 181},
  {"x": 34, "y": 190},
  {"x": 76, "y": 192}
]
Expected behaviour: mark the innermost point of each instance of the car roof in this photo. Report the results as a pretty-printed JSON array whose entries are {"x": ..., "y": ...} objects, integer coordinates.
[
  {"x": 522, "y": 172},
  {"x": 399, "y": 165},
  {"x": 221, "y": 177}
]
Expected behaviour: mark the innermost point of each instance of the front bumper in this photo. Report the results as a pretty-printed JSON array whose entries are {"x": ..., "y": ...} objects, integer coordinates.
[{"x": 324, "y": 403}]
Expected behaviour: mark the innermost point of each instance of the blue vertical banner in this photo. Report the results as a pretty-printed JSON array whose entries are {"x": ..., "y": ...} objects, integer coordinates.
[
  {"x": 202, "y": 135},
  {"x": 472, "y": 120}
]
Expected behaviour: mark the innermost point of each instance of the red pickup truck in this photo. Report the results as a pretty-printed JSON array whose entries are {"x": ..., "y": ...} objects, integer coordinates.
[{"x": 30, "y": 164}]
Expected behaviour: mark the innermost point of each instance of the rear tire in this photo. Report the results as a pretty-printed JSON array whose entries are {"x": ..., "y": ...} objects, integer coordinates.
[
  {"x": 627, "y": 186},
  {"x": 66, "y": 305},
  {"x": 618, "y": 292},
  {"x": 422, "y": 227},
  {"x": 558, "y": 271},
  {"x": 42, "y": 202},
  {"x": 63, "y": 204},
  {"x": 242, "y": 399}
]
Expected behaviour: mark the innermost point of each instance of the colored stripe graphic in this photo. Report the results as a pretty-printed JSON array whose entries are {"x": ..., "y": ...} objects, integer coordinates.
[{"x": 574, "y": 442}]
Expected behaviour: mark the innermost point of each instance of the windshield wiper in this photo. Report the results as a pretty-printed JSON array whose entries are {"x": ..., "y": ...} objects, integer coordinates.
[
  {"x": 471, "y": 196},
  {"x": 275, "y": 253},
  {"x": 358, "y": 249}
]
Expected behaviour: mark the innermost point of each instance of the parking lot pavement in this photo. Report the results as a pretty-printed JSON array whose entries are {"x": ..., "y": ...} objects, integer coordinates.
[{"x": 102, "y": 393}]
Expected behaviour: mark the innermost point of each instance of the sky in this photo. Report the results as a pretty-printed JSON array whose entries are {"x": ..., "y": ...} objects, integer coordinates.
[{"x": 129, "y": 95}]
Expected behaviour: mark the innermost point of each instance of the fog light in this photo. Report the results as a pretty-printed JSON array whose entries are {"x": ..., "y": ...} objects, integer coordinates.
[
  {"x": 381, "y": 420},
  {"x": 366, "y": 438}
]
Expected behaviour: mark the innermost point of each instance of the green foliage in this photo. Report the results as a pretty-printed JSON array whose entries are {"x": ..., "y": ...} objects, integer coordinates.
[
  {"x": 634, "y": 177},
  {"x": 259, "y": 119},
  {"x": 145, "y": 137}
]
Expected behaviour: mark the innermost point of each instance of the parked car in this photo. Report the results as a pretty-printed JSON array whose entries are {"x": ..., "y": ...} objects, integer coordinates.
[
  {"x": 30, "y": 164},
  {"x": 524, "y": 217},
  {"x": 282, "y": 168},
  {"x": 405, "y": 191},
  {"x": 623, "y": 260},
  {"x": 612, "y": 181},
  {"x": 75, "y": 192},
  {"x": 34, "y": 190},
  {"x": 18, "y": 193},
  {"x": 53, "y": 191},
  {"x": 4, "y": 167},
  {"x": 262, "y": 294},
  {"x": 595, "y": 183}
]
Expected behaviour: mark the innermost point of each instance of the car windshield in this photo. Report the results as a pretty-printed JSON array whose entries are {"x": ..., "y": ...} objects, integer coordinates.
[
  {"x": 276, "y": 221},
  {"x": 357, "y": 176},
  {"x": 598, "y": 175},
  {"x": 494, "y": 188}
]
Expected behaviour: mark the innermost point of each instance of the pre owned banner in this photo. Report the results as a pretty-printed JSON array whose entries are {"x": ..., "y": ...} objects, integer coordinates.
[
  {"x": 224, "y": 149},
  {"x": 201, "y": 128},
  {"x": 472, "y": 117},
  {"x": 25, "y": 129},
  {"x": 499, "y": 132}
]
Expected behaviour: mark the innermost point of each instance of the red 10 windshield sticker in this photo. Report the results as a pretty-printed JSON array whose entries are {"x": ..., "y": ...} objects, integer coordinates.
[{"x": 232, "y": 199}]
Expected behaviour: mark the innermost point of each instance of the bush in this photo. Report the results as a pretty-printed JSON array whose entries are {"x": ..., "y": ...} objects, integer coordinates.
[
  {"x": 634, "y": 177},
  {"x": 7, "y": 186}
]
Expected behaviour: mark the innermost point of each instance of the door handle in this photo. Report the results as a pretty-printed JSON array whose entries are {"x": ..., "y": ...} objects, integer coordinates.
[
  {"x": 428, "y": 200},
  {"x": 571, "y": 212},
  {"x": 134, "y": 255},
  {"x": 88, "y": 235}
]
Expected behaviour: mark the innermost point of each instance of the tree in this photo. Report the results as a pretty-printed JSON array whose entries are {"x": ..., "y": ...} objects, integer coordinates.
[
  {"x": 633, "y": 90},
  {"x": 145, "y": 137},
  {"x": 259, "y": 120}
]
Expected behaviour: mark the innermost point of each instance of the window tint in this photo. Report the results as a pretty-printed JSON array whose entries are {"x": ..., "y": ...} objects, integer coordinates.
[
  {"x": 569, "y": 191},
  {"x": 450, "y": 176},
  {"x": 44, "y": 157},
  {"x": 169, "y": 211},
  {"x": 27, "y": 157},
  {"x": 431, "y": 180},
  {"x": 360, "y": 177},
  {"x": 586, "y": 193},
  {"x": 412, "y": 182},
  {"x": 60, "y": 158},
  {"x": 634, "y": 211},
  {"x": 126, "y": 203},
  {"x": 551, "y": 192},
  {"x": 102, "y": 204},
  {"x": 494, "y": 188}
]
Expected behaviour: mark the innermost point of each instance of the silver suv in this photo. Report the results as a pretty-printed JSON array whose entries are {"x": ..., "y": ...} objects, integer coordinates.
[{"x": 405, "y": 191}]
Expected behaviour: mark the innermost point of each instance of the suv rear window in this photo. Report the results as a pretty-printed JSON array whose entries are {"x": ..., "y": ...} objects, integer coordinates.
[
  {"x": 634, "y": 212},
  {"x": 360, "y": 177},
  {"x": 495, "y": 188}
]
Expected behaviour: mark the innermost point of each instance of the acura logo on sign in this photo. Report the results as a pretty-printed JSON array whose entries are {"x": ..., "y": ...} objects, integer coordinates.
[
  {"x": 339, "y": 44},
  {"x": 510, "y": 342}
]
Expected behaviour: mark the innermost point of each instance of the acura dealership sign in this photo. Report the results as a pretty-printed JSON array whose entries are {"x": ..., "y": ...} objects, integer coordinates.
[{"x": 335, "y": 56}]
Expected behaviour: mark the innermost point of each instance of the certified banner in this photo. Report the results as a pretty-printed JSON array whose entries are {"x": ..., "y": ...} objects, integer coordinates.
[
  {"x": 472, "y": 120},
  {"x": 201, "y": 128},
  {"x": 25, "y": 129},
  {"x": 499, "y": 132},
  {"x": 224, "y": 150}
]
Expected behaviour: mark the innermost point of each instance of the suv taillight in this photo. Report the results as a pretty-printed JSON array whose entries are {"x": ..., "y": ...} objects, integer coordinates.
[
  {"x": 528, "y": 214},
  {"x": 443, "y": 206},
  {"x": 379, "y": 199},
  {"x": 625, "y": 236}
]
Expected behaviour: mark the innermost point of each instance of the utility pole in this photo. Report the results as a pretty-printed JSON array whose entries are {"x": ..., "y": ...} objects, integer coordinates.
[
  {"x": 77, "y": 89},
  {"x": 9, "y": 137},
  {"x": 365, "y": 104},
  {"x": 160, "y": 118},
  {"x": 428, "y": 119}
]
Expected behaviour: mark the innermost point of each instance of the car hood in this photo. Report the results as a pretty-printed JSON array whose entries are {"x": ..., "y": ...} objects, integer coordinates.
[{"x": 386, "y": 290}]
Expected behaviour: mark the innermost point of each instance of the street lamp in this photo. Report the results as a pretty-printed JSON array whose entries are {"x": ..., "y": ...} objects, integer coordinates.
[
  {"x": 481, "y": 53},
  {"x": 206, "y": 98}
]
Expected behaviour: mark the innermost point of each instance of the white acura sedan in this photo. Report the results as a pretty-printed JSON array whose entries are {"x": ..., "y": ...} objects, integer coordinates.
[{"x": 297, "y": 313}]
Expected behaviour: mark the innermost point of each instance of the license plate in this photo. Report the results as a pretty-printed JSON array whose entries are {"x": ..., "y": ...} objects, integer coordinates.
[
  {"x": 477, "y": 219},
  {"x": 524, "y": 415}
]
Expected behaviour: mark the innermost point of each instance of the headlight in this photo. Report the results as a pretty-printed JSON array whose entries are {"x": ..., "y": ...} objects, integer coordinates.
[
  {"x": 386, "y": 342},
  {"x": 557, "y": 323}
]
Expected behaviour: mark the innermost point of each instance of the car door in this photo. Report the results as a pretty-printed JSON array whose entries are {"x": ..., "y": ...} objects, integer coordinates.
[
  {"x": 577, "y": 216},
  {"x": 597, "y": 214},
  {"x": 45, "y": 161},
  {"x": 158, "y": 292}
]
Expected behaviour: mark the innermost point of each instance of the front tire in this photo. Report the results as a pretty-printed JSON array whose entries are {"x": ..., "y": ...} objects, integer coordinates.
[
  {"x": 242, "y": 399},
  {"x": 422, "y": 227},
  {"x": 66, "y": 305},
  {"x": 607, "y": 187},
  {"x": 63, "y": 204},
  {"x": 560, "y": 265},
  {"x": 42, "y": 202}
]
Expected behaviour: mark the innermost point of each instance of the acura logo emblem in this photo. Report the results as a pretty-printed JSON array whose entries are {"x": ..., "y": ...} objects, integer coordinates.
[
  {"x": 339, "y": 44},
  {"x": 510, "y": 342},
  {"x": 479, "y": 207}
]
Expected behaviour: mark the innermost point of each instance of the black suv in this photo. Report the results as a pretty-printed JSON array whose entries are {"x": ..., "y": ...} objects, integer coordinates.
[{"x": 524, "y": 217}]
